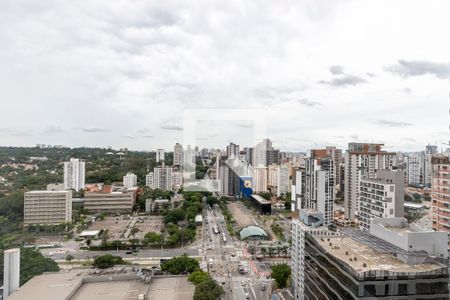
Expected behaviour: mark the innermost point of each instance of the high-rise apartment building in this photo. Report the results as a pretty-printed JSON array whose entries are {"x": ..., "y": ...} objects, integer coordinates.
[
  {"x": 259, "y": 179},
  {"x": 297, "y": 191},
  {"x": 272, "y": 156},
  {"x": 223, "y": 177},
  {"x": 232, "y": 150},
  {"x": 260, "y": 153},
  {"x": 149, "y": 180},
  {"x": 431, "y": 149},
  {"x": 392, "y": 261},
  {"x": 381, "y": 197},
  {"x": 229, "y": 181},
  {"x": 427, "y": 170},
  {"x": 130, "y": 180},
  {"x": 189, "y": 157},
  {"x": 362, "y": 160},
  {"x": 319, "y": 191},
  {"x": 249, "y": 153},
  {"x": 283, "y": 183},
  {"x": 415, "y": 168},
  {"x": 177, "y": 180},
  {"x": 162, "y": 178},
  {"x": 47, "y": 207},
  {"x": 160, "y": 155},
  {"x": 178, "y": 155},
  {"x": 74, "y": 174},
  {"x": 440, "y": 193},
  {"x": 272, "y": 176},
  {"x": 338, "y": 161}
]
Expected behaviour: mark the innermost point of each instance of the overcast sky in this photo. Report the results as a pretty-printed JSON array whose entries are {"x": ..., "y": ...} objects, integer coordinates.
[{"x": 121, "y": 73}]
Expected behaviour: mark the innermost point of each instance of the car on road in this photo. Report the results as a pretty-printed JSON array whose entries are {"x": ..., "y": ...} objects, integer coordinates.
[
  {"x": 129, "y": 252},
  {"x": 247, "y": 296},
  {"x": 243, "y": 283},
  {"x": 263, "y": 287}
]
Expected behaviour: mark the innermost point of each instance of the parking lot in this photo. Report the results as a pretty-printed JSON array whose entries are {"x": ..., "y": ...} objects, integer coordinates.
[
  {"x": 119, "y": 227},
  {"x": 147, "y": 224},
  {"x": 116, "y": 226}
]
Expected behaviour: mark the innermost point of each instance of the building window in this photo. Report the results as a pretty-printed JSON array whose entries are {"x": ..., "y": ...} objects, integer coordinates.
[{"x": 402, "y": 289}]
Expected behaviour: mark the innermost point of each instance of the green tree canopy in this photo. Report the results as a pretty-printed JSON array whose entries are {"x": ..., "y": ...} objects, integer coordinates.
[
  {"x": 153, "y": 238},
  {"x": 180, "y": 264},
  {"x": 208, "y": 290},
  {"x": 281, "y": 274},
  {"x": 174, "y": 216},
  {"x": 107, "y": 261},
  {"x": 198, "y": 277}
]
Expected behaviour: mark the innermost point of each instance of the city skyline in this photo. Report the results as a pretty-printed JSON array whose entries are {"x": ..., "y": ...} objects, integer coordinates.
[{"x": 121, "y": 74}]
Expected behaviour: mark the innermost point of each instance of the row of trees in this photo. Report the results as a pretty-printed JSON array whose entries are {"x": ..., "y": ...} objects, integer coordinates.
[
  {"x": 230, "y": 221},
  {"x": 415, "y": 198},
  {"x": 206, "y": 288},
  {"x": 276, "y": 250}
]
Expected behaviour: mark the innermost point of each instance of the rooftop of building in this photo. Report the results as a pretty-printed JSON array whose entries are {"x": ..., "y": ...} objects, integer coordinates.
[
  {"x": 252, "y": 231},
  {"x": 398, "y": 225},
  {"x": 260, "y": 199},
  {"x": 118, "y": 283},
  {"x": 362, "y": 257},
  {"x": 51, "y": 286},
  {"x": 48, "y": 192},
  {"x": 100, "y": 188}
]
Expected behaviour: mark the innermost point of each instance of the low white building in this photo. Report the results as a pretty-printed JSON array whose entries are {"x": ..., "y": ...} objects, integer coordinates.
[
  {"x": 130, "y": 180},
  {"x": 410, "y": 237}
]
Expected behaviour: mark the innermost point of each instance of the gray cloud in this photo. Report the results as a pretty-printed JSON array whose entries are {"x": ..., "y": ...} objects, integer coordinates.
[
  {"x": 409, "y": 68},
  {"x": 12, "y": 132},
  {"x": 92, "y": 129},
  {"x": 310, "y": 103},
  {"x": 344, "y": 80},
  {"x": 411, "y": 140},
  {"x": 143, "y": 131},
  {"x": 122, "y": 64},
  {"x": 52, "y": 129},
  {"x": 245, "y": 125},
  {"x": 172, "y": 127},
  {"x": 407, "y": 91},
  {"x": 389, "y": 123},
  {"x": 336, "y": 70}
]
